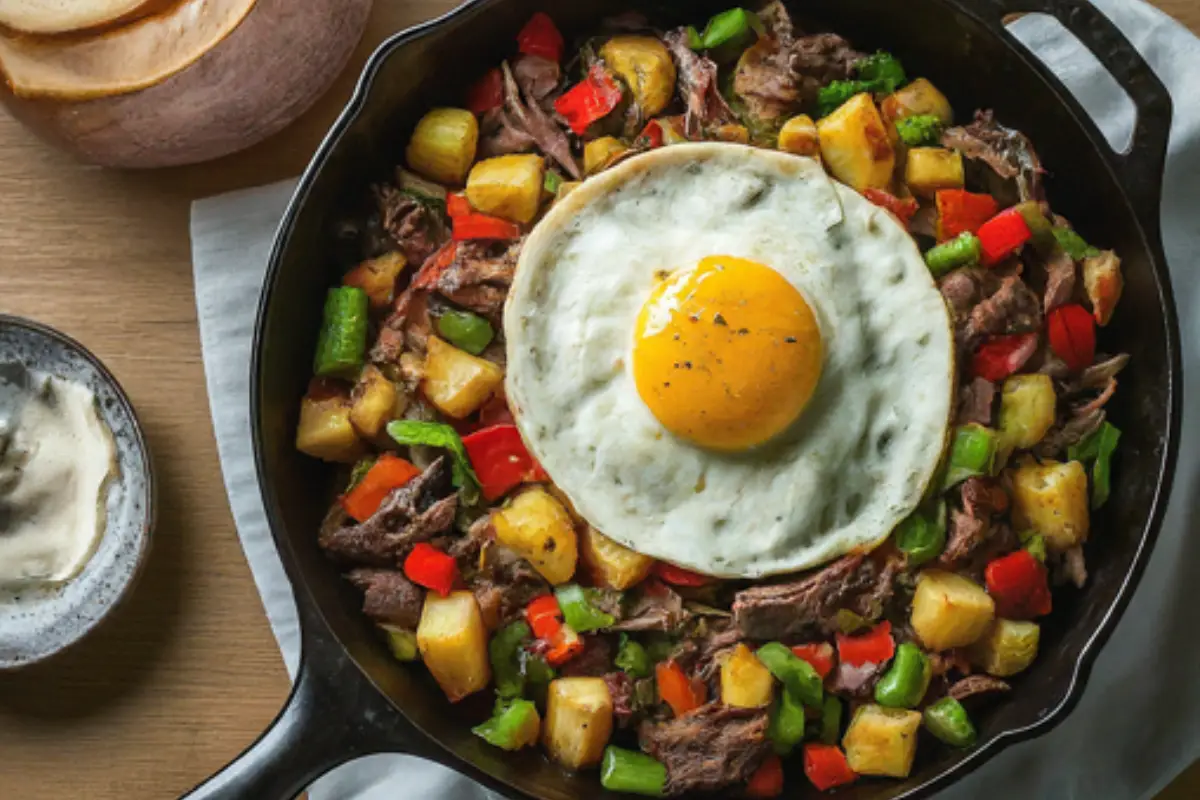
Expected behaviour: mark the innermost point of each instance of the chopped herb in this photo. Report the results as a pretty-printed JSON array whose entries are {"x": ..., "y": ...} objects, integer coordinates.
[
  {"x": 918, "y": 131},
  {"x": 435, "y": 434}
]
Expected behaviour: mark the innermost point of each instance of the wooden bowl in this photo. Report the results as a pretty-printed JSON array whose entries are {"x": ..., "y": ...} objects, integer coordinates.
[{"x": 252, "y": 84}]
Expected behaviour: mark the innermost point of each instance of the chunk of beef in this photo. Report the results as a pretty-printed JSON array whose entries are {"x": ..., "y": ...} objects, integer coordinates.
[
  {"x": 594, "y": 661},
  {"x": 501, "y": 135},
  {"x": 710, "y": 748},
  {"x": 697, "y": 86},
  {"x": 620, "y": 689},
  {"x": 970, "y": 529},
  {"x": 1099, "y": 375},
  {"x": 389, "y": 597},
  {"x": 408, "y": 515},
  {"x": 1013, "y": 308},
  {"x": 856, "y": 681},
  {"x": 655, "y": 607},
  {"x": 766, "y": 82},
  {"x": 975, "y": 402},
  {"x": 418, "y": 229},
  {"x": 537, "y": 77},
  {"x": 479, "y": 276},
  {"x": 1060, "y": 281},
  {"x": 1069, "y": 431},
  {"x": 523, "y": 117},
  {"x": 960, "y": 289},
  {"x": 818, "y": 60},
  {"x": 976, "y": 685},
  {"x": 1008, "y": 153},
  {"x": 503, "y": 582},
  {"x": 808, "y": 607}
]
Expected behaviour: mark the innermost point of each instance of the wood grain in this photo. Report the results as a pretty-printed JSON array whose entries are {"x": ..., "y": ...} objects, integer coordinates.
[{"x": 187, "y": 673}]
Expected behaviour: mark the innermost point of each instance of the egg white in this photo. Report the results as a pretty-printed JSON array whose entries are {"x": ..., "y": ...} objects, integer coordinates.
[{"x": 861, "y": 455}]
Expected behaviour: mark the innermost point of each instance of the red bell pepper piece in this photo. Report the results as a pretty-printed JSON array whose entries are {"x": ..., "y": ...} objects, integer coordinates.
[
  {"x": 1001, "y": 356},
  {"x": 1019, "y": 584},
  {"x": 669, "y": 573},
  {"x": 651, "y": 135},
  {"x": 565, "y": 646},
  {"x": 431, "y": 271},
  {"x": 873, "y": 647},
  {"x": 540, "y": 37},
  {"x": 819, "y": 656},
  {"x": 1072, "y": 334},
  {"x": 501, "y": 461},
  {"x": 767, "y": 780},
  {"x": 592, "y": 99},
  {"x": 959, "y": 210},
  {"x": 545, "y": 619},
  {"x": 388, "y": 473},
  {"x": 487, "y": 93},
  {"x": 481, "y": 226},
  {"x": 903, "y": 209},
  {"x": 429, "y": 567},
  {"x": 1003, "y": 235},
  {"x": 457, "y": 206},
  {"x": 826, "y": 766},
  {"x": 676, "y": 689}
]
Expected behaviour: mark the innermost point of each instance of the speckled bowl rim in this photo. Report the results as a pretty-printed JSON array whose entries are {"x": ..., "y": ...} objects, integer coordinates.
[{"x": 150, "y": 498}]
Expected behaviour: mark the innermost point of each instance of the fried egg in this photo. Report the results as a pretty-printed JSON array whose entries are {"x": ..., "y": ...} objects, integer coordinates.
[{"x": 728, "y": 361}]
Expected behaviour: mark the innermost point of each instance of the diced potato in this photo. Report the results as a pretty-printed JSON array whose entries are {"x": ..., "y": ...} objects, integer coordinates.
[
  {"x": 1052, "y": 498},
  {"x": 916, "y": 99},
  {"x": 611, "y": 564},
  {"x": 645, "y": 65},
  {"x": 579, "y": 721},
  {"x": 442, "y": 147},
  {"x": 949, "y": 610},
  {"x": 325, "y": 431},
  {"x": 731, "y": 132},
  {"x": 537, "y": 526},
  {"x": 855, "y": 145},
  {"x": 508, "y": 186},
  {"x": 373, "y": 402},
  {"x": 598, "y": 152},
  {"x": 1103, "y": 283},
  {"x": 931, "y": 168},
  {"x": 377, "y": 277},
  {"x": 453, "y": 643},
  {"x": 745, "y": 681},
  {"x": 1007, "y": 648},
  {"x": 457, "y": 382},
  {"x": 798, "y": 136},
  {"x": 882, "y": 741},
  {"x": 1026, "y": 410}
]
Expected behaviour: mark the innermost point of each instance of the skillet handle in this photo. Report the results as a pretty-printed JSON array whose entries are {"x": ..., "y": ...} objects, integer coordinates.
[
  {"x": 1140, "y": 168},
  {"x": 332, "y": 716}
]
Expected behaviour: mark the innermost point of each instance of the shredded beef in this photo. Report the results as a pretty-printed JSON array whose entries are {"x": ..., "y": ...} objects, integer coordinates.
[
  {"x": 620, "y": 689},
  {"x": 408, "y": 515},
  {"x": 538, "y": 77},
  {"x": 970, "y": 529},
  {"x": 501, "y": 135},
  {"x": 1072, "y": 567},
  {"x": 479, "y": 276},
  {"x": 593, "y": 662},
  {"x": 1099, "y": 374},
  {"x": 807, "y": 607},
  {"x": 417, "y": 229},
  {"x": 1100, "y": 400},
  {"x": 820, "y": 59},
  {"x": 856, "y": 681},
  {"x": 1008, "y": 153},
  {"x": 1013, "y": 308},
  {"x": 388, "y": 596},
  {"x": 975, "y": 685},
  {"x": 1071, "y": 431},
  {"x": 503, "y": 582},
  {"x": 656, "y": 607},
  {"x": 975, "y": 402},
  {"x": 529, "y": 119},
  {"x": 697, "y": 86},
  {"x": 766, "y": 81},
  {"x": 710, "y": 748},
  {"x": 960, "y": 290},
  {"x": 1060, "y": 281}
]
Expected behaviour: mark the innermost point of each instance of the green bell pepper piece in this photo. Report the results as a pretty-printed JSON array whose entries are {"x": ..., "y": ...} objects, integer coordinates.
[
  {"x": 504, "y": 651},
  {"x": 1075, "y": 245},
  {"x": 505, "y": 726},
  {"x": 797, "y": 675},
  {"x": 831, "y": 720},
  {"x": 342, "y": 342},
  {"x": 905, "y": 682},
  {"x": 466, "y": 331},
  {"x": 1098, "y": 448},
  {"x": 402, "y": 643},
  {"x": 633, "y": 659},
  {"x": 727, "y": 34},
  {"x": 973, "y": 452},
  {"x": 958, "y": 252},
  {"x": 947, "y": 720},
  {"x": 624, "y": 770},
  {"x": 785, "y": 726},
  {"x": 552, "y": 182},
  {"x": 1035, "y": 543},
  {"x": 922, "y": 535},
  {"x": 578, "y": 611}
]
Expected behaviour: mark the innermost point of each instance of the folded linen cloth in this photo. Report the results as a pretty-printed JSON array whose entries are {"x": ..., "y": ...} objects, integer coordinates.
[{"x": 1085, "y": 756}]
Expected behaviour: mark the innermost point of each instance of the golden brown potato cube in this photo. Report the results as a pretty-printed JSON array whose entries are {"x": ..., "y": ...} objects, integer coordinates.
[
  {"x": 1103, "y": 283},
  {"x": 508, "y": 186},
  {"x": 949, "y": 610},
  {"x": 453, "y": 643},
  {"x": 929, "y": 169},
  {"x": 882, "y": 741},
  {"x": 798, "y": 136},
  {"x": 611, "y": 564},
  {"x": 325, "y": 431},
  {"x": 745, "y": 681},
  {"x": 919, "y": 98},
  {"x": 373, "y": 402},
  {"x": 645, "y": 65},
  {"x": 855, "y": 145},
  {"x": 377, "y": 277},
  {"x": 579, "y": 720},
  {"x": 731, "y": 132},
  {"x": 537, "y": 527},
  {"x": 599, "y": 152},
  {"x": 1052, "y": 499},
  {"x": 442, "y": 147},
  {"x": 455, "y": 381},
  {"x": 1026, "y": 410},
  {"x": 1007, "y": 648}
]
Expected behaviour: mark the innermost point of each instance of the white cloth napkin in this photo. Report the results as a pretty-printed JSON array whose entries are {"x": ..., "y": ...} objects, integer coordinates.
[{"x": 1137, "y": 725}]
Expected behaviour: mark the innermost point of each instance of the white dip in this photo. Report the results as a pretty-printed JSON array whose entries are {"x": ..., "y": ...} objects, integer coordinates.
[{"x": 56, "y": 458}]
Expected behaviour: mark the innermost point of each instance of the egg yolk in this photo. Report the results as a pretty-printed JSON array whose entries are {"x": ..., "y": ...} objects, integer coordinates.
[{"x": 726, "y": 354}]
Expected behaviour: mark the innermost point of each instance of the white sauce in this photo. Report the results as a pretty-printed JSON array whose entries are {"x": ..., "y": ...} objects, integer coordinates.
[{"x": 56, "y": 459}]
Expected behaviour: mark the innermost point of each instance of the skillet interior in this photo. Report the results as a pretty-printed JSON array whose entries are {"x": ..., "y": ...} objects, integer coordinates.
[{"x": 934, "y": 39}]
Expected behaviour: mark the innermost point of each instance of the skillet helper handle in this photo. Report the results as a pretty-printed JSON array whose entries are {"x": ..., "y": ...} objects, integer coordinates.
[{"x": 1141, "y": 167}]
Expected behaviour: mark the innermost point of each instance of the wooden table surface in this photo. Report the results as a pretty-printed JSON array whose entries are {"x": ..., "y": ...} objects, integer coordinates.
[{"x": 187, "y": 673}]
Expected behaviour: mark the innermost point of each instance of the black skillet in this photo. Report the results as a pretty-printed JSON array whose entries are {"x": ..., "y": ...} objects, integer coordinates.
[{"x": 352, "y": 699}]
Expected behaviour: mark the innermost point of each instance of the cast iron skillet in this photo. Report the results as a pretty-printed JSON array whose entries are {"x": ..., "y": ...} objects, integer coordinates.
[{"x": 351, "y": 699}]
